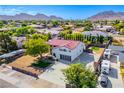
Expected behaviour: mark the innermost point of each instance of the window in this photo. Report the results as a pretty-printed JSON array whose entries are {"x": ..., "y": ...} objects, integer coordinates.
[
  {"x": 65, "y": 57},
  {"x": 63, "y": 50},
  {"x": 54, "y": 54}
]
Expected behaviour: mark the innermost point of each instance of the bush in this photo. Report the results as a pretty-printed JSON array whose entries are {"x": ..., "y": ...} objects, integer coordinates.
[{"x": 78, "y": 76}]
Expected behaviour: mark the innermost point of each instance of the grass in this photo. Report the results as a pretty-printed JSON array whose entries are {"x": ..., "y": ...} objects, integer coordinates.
[
  {"x": 95, "y": 48},
  {"x": 41, "y": 64}
]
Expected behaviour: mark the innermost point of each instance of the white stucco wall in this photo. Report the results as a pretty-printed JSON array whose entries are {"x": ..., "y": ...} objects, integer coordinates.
[{"x": 73, "y": 53}]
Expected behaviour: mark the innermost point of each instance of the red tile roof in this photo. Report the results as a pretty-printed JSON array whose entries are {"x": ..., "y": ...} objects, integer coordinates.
[{"x": 71, "y": 44}]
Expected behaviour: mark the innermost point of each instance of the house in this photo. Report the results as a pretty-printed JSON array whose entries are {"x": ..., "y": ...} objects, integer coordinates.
[
  {"x": 38, "y": 26},
  {"x": 19, "y": 41},
  {"x": 95, "y": 33},
  {"x": 66, "y": 50},
  {"x": 104, "y": 28},
  {"x": 78, "y": 30},
  {"x": 4, "y": 29},
  {"x": 54, "y": 31}
]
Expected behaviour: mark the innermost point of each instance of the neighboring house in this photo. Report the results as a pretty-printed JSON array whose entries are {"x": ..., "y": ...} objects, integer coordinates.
[
  {"x": 104, "y": 28},
  {"x": 18, "y": 24},
  {"x": 38, "y": 26},
  {"x": 96, "y": 33},
  {"x": 54, "y": 31},
  {"x": 66, "y": 50},
  {"x": 4, "y": 29},
  {"x": 78, "y": 30},
  {"x": 19, "y": 41}
]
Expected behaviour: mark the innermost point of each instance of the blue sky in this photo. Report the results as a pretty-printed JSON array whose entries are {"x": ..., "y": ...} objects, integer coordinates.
[{"x": 64, "y": 11}]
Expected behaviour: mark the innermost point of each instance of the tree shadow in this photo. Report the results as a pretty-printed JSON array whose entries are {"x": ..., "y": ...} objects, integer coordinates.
[{"x": 109, "y": 84}]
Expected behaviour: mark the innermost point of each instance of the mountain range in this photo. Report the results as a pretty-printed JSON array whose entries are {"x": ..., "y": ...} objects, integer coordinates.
[
  {"x": 25, "y": 16},
  {"x": 107, "y": 15}
]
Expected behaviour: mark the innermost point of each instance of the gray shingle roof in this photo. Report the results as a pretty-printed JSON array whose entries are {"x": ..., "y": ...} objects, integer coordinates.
[{"x": 95, "y": 33}]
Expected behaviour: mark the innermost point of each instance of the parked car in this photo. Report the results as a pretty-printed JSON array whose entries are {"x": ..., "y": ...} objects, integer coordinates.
[{"x": 103, "y": 80}]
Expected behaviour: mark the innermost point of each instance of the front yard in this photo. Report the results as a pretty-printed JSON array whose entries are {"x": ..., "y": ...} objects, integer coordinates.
[
  {"x": 29, "y": 65},
  {"x": 41, "y": 64}
]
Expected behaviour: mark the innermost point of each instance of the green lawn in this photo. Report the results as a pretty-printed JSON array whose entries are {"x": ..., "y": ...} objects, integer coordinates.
[
  {"x": 41, "y": 64},
  {"x": 95, "y": 48}
]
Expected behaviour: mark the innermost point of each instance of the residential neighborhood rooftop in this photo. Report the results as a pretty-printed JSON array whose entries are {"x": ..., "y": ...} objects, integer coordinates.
[
  {"x": 71, "y": 44},
  {"x": 95, "y": 33}
]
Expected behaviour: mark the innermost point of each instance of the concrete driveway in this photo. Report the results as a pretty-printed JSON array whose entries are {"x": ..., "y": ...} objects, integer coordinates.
[
  {"x": 84, "y": 58},
  {"x": 54, "y": 74}
]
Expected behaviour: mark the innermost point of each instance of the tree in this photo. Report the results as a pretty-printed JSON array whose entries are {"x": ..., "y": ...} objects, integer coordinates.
[
  {"x": 6, "y": 43},
  {"x": 87, "y": 28},
  {"x": 87, "y": 25},
  {"x": 122, "y": 31},
  {"x": 24, "y": 31},
  {"x": 1, "y": 24},
  {"x": 36, "y": 47},
  {"x": 55, "y": 22},
  {"x": 65, "y": 32},
  {"x": 40, "y": 36},
  {"x": 49, "y": 35},
  {"x": 24, "y": 24},
  {"x": 77, "y": 75},
  {"x": 101, "y": 39}
]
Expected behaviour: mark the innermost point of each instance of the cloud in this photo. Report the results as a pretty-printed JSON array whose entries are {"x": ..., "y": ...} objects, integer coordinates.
[
  {"x": 13, "y": 11},
  {"x": 9, "y": 11}
]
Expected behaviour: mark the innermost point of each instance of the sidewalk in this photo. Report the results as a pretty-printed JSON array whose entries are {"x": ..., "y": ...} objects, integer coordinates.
[
  {"x": 14, "y": 81},
  {"x": 17, "y": 79}
]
